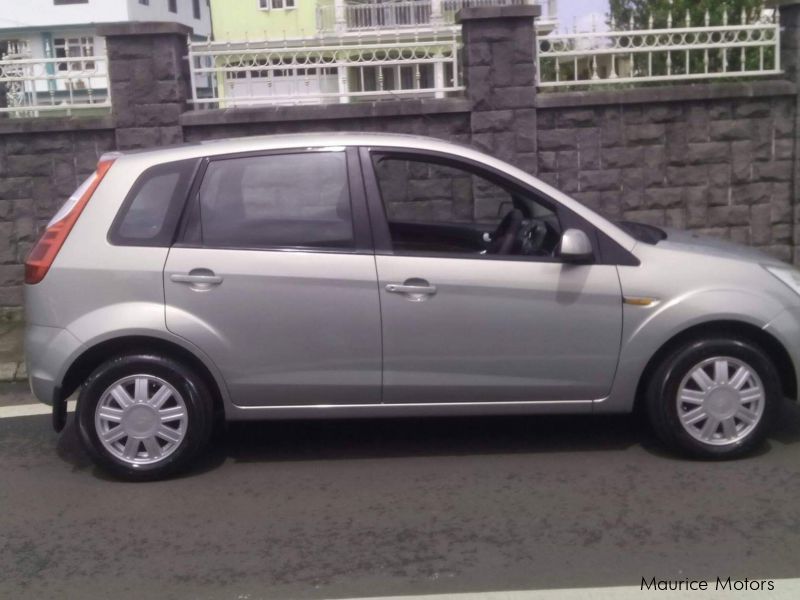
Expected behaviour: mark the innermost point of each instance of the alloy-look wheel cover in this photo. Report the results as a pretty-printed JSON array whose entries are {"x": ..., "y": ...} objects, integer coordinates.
[
  {"x": 141, "y": 419},
  {"x": 720, "y": 401}
]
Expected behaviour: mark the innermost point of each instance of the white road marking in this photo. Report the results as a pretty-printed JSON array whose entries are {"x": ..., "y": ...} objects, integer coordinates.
[
  {"x": 30, "y": 410},
  {"x": 783, "y": 589}
]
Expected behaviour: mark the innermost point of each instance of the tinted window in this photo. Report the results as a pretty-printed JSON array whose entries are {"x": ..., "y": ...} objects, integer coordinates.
[
  {"x": 150, "y": 213},
  {"x": 286, "y": 200},
  {"x": 444, "y": 207},
  {"x": 428, "y": 192}
]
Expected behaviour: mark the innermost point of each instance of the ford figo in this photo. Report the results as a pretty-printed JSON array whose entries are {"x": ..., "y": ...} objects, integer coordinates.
[{"x": 355, "y": 275}]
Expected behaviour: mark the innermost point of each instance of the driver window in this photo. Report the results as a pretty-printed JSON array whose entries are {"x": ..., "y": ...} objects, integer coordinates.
[{"x": 442, "y": 208}]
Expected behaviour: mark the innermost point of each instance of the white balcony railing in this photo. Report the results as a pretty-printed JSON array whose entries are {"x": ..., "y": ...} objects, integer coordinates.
[
  {"x": 403, "y": 14},
  {"x": 31, "y": 86},
  {"x": 670, "y": 51},
  {"x": 226, "y": 74}
]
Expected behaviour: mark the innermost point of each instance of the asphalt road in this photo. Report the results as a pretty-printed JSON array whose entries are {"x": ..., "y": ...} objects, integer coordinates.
[{"x": 372, "y": 508}]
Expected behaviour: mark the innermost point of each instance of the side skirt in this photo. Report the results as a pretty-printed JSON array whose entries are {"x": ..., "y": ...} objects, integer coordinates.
[{"x": 351, "y": 411}]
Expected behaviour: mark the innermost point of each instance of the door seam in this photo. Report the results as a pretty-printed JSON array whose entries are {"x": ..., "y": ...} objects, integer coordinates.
[{"x": 380, "y": 319}]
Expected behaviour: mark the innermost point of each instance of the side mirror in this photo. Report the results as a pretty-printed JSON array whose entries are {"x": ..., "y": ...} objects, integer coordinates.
[{"x": 575, "y": 247}]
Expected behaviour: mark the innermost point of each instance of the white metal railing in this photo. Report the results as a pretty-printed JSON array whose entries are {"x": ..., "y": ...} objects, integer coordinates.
[
  {"x": 373, "y": 15},
  {"x": 671, "y": 52},
  {"x": 35, "y": 85},
  {"x": 225, "y": 74}
]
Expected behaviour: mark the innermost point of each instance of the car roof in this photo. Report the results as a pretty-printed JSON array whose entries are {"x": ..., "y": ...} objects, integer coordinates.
[{"x": 298, "y": 140}]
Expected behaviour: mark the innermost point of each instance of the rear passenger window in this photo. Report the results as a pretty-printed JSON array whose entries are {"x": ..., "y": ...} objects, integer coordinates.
[
  {"x": 281, "y": 200},
  {"x": 151, "y": 211}
]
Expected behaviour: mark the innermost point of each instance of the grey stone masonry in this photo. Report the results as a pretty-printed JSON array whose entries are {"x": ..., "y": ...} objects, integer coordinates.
[
  {"x": 39, "y": 168},
  {"x": 790, "y": 61},
  {"x": 723, "y": 167},
  {"x": 719, "y": 158},
  {"x": 447, "y": 118},
  {"x": 500, "y": 77},
  {"x": 150, "y": 82}
]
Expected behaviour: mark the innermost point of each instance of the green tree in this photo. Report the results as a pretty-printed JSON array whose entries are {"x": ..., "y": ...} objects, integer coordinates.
[
  {"x": 641, "y": 10},
  {"x": 640, "y": 13}
]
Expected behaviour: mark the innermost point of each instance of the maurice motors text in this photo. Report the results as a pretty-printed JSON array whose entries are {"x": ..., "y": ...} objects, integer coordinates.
[{"x": 727, "y": 584}]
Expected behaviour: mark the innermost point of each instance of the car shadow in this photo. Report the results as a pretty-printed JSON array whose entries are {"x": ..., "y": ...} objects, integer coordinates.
[
  {"x": 432, "y": 436},
  {"x": 347, "y": 439}
]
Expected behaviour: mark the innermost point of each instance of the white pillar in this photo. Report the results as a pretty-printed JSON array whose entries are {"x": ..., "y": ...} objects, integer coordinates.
[
  {"x": 340, "y": 15},
  {"x": 438, "y": 77},
  {"x": 436, "y": 12},
  {"x": 344, "y": 97}
]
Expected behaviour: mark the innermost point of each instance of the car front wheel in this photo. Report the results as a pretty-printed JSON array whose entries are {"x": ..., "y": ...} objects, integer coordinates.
[
  {"x": 144, "y": 417},
  {"x": 714, "y": 398}
]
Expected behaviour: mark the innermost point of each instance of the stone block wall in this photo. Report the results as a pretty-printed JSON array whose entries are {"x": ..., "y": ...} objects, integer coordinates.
[
  {"x": 718, "y": 158},
  {"x": 723, "y": 167},
  {"x": 449, "y": 120},
  {"x": 500, "y": 76},
  {"x": 38, "y": 171},
  {"x": 149, "y": 79}
]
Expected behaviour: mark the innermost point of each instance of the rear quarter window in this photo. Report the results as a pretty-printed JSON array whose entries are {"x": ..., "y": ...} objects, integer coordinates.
[{"x": 151, "y": 211}]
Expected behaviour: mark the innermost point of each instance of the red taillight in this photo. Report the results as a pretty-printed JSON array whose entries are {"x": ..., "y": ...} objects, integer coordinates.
[{"x": 46, "y": 249}]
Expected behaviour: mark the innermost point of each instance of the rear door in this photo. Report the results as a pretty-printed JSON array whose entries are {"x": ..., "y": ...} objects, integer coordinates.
[{"x": 274, "y": 278}]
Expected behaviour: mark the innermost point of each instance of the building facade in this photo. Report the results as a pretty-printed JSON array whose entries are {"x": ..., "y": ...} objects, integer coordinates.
[
  {"x": 67, "y": 28},
  {"x": 51, "y": 56},
  {"x": 316, "y": 51},
  {"x": 236, "y": 20}
]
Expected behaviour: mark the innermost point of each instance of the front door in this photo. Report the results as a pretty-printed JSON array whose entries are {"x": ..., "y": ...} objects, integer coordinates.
[
  {"x": 476, "y": 306},
  {"x": 276, "y": 282}
]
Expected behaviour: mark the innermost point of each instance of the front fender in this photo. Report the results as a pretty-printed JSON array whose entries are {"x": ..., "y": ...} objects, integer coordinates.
[{"x": 646, "y": 329}]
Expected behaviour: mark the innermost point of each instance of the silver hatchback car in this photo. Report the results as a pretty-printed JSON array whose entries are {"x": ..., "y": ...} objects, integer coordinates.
[{"x": 350, "y": 275}]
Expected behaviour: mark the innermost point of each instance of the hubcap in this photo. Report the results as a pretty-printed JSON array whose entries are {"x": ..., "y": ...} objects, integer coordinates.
[
  {"x": 720, "y": 401},
  {"x": 141, "y": 419}
]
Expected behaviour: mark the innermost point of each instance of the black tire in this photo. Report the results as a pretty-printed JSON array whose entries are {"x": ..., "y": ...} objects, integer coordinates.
[
  {"x": 191, "y": 387},
  {"x": 663, "y": 387}
]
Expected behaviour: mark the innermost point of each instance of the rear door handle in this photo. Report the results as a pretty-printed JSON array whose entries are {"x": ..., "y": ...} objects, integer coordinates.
[{"x": 198, "y": 279}]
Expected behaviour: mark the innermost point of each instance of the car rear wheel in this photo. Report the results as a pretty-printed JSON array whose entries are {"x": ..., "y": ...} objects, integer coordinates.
[
  {"x": 144, "y": 417},
  {"x": 714, "y": 398}
]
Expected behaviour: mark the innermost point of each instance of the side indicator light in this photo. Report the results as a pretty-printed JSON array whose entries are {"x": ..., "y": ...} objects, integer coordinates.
[{"x": 639, "y": 300}]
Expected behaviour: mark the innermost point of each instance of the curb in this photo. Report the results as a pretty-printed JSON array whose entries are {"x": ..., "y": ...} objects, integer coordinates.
[{"x": 13, "y": 371}]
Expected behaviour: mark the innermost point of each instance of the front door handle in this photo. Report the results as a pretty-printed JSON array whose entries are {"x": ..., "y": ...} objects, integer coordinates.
[
  {"x": 397, "y": 288},
  {"x": 210, "y": 279},
  {"x": 413, "y": 289}
]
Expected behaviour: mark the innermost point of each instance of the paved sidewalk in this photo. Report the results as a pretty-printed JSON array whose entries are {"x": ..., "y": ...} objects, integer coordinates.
[{"x": 12, "y": 364}]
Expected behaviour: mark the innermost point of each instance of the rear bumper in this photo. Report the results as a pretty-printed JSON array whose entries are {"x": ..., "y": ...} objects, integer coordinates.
[{"x": 48, "y": 352}]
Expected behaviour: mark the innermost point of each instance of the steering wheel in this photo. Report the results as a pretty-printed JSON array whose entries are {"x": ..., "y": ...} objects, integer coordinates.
[
  {"x": 533, "y": 234},
  {"x": 505, "y": 235}
]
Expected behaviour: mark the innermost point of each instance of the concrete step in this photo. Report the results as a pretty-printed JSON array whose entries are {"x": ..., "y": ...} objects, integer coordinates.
[{"x": 12, "y": 362}]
